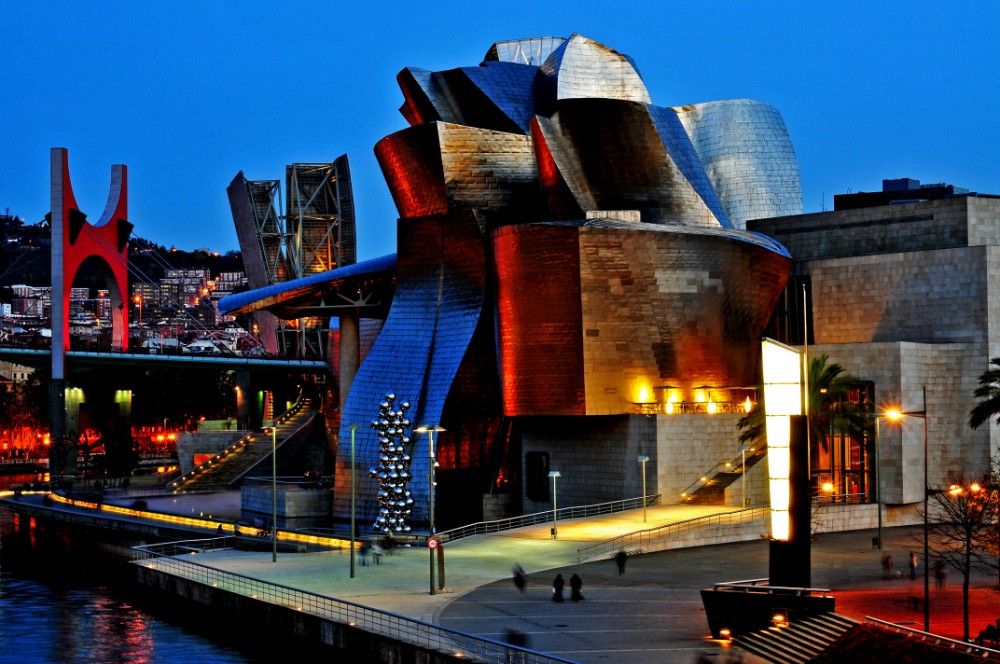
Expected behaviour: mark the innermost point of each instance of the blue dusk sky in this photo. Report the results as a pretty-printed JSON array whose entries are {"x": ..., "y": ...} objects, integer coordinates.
[{"x": 189, "y": 93}]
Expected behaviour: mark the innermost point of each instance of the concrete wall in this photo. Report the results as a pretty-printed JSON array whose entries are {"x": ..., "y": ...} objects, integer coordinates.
[
  {"x": 297, "y": 507},
  {"x": 207, "y": 442},
  {"x": 596, "y": 456}
]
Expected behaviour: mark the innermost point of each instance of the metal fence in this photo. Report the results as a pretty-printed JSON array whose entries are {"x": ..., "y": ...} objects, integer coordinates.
[
  {"x": 651, "y": 538},
  {"x": 175, "y": 558},
  {"x": 975, "y": 650},
  {"x": 500, "y": 525}
]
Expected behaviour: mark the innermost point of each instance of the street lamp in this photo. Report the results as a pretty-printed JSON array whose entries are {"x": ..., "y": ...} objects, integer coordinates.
[
  {"x": 554, "y": 474},
  {"x": 354, "y": 427},
  {"x": 642, "y": 460},
  {"x": 878, "y": 482},
  {"x": 431, "y": 465},
  {"x": 895, "y": 416},
  {"x": 274, "y": 491}
]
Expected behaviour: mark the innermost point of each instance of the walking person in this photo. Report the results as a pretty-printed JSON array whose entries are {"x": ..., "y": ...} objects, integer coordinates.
[
  {"x": 557, "y": 588},
  {"x": 887, "y": 566},
  {"x": 520, "y": 579},
  {"x": 575, "y": 586},
  {"x": 940, "y": 573},
  {"x": 913, "y": 565},
  {"x": 620, "y": 559}
]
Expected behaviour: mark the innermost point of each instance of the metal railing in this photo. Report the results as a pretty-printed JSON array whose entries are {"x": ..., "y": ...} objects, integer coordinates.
[
  {"x": 500, "y": 525},
  {"x": 734, "y": 465},
  {"x": 395, "y": 626},
  {"x": 987, "y": 654},
  {"x": 649, "y": 538},
  {"x": 761, "y": 586}
]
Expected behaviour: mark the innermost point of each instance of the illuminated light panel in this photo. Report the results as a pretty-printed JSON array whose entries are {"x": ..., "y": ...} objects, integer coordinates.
[{"x": 782, "y": 399}]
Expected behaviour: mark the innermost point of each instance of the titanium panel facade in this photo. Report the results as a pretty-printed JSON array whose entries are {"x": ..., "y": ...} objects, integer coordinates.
[{"x": 748, "y": 155}]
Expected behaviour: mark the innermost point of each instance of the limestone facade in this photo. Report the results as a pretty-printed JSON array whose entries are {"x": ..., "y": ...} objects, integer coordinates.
[{"x": 908, "y": 296}]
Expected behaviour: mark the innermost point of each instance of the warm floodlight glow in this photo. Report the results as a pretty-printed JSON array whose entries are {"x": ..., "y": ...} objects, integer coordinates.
[
  {"x": 893, "y": 414},
  {"x": 782, "y": 398},
  {"x": 747, "y": 405},
  {"x": 712, "y": 407},
  {"x": 827, "y": 487},
  {"x": 670, "y": 408}
]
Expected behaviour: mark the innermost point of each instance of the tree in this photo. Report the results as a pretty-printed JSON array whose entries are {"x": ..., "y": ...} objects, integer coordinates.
[
  {"x": 828, "y": 384},
  {"x": 989, "y": 394},
  {"x": 961, "y": 534}
]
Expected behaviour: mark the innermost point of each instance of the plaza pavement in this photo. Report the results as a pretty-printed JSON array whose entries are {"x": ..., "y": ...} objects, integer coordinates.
[{"x": 652, "y": 613}]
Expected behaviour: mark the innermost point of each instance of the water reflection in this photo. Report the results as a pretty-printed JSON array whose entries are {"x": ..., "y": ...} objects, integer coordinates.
[{"x": 56, "y": 607}]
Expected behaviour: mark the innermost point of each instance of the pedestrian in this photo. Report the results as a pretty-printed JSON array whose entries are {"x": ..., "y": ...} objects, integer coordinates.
[
  {"x": 377, "y": 552},
  {"x": 517, "y": 638},
  {"x": 886, "y": 566},
  {"x": 940, "y": 573},
  {"x": 575, "y": 585},
  {"x": 363, "y": 553},
  {"x": 913, "y": 565},
  {"x": 520, "y": 579},
  {"x": 557, "y": 588},
  {"x": 620, "y": 559}
]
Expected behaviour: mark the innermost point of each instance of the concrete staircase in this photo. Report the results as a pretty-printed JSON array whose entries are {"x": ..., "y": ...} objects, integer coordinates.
[
  {"x": 798, "y": 642},
  {"x": 226, "y": 468}
]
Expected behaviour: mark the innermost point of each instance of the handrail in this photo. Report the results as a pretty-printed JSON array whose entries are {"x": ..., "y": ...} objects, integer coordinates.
[
  {"x": 753, "y": 584},
  {"x": 643, "y": 539},
  {"x": 733, "y": 466},
  {"x": 971, "y": 648},
  {"x": 376, "y": 621},
  {"x": 535, "y": 518}
]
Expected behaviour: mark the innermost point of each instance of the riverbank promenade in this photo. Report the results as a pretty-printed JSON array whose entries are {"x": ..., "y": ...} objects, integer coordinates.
[{"x": 652, "y": 612}]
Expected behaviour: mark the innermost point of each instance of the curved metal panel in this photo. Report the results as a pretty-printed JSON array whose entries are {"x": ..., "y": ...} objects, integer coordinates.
[
  {"x": 611, "y": 157},
  {"x": 748, "y": 155},
  {"x": 538, "y": 319},
  {"x": 588, "y": 69},
  {"x": 434, "y": 314},
  {"x": 664, "y": 305},
  {"x": 531, "y": 51},
  {"x": 411, "y": 164}
]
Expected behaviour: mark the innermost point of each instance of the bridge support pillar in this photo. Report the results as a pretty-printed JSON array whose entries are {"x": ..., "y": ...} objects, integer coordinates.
[
  {"x": 242, "y": 399},
  {"x": 350, "y": 346}
]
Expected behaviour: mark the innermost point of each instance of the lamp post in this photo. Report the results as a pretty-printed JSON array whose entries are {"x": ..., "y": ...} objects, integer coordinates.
[
  {"x": 431, "y": 463},
  {"x": 554, "y": 474},
  {"x": 642, "y": 460},
  {"x": 896, "y": 415},
  {"x": 274, "y": 491},
  {"x": 878, "y": 481},
  {"x": 743, "y": 471},
  {"x": 354, "y": 427}
]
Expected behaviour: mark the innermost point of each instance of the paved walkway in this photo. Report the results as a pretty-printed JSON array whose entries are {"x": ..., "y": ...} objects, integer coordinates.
[{"x": 651, "y": 613}]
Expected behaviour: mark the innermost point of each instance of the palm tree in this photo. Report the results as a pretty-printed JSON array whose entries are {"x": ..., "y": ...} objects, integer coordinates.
[
  {"x": 828, "y": 384},
  {"x": 989, "y": 393}
]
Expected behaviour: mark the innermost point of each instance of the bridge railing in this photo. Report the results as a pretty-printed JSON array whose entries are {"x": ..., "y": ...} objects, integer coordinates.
[
  {"x": 652, "y": 538},
  {"x": 175, "y": 558},
  {"x": 499, "y": 525}
]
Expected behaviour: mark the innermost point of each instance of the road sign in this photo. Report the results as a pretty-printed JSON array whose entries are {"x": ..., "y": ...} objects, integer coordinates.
[{"x": 433, "y": 542}]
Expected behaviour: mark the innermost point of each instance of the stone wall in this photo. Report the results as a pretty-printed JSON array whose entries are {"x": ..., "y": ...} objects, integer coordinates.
[
  {"x": 690, "y": 445},
  {"x": 596, "y": 456},
  {"x": 203, "y": 442}
]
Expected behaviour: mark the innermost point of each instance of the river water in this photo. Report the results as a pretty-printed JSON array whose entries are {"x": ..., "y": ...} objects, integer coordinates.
[{"x": 61, "y": 603}]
